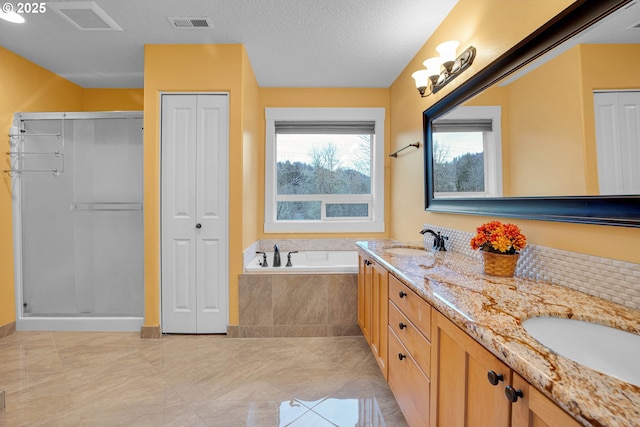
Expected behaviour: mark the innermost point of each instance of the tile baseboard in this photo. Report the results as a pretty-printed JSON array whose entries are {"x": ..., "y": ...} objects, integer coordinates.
[
  {"x": 152, "y": 332},
  {"x": 8, "y": 329}
]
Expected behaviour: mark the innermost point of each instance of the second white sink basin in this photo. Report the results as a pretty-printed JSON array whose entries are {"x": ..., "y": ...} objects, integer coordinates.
[{"x": 608, "y": 350}]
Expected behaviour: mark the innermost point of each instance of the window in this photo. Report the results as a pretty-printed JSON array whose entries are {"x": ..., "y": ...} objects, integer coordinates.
[
  {"x": 467, "y": 159},
  {"x": 324, "y": 170}
]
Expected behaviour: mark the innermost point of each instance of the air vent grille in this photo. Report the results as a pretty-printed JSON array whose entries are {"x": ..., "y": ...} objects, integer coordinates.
[
  {"x": 191, "y": 22},
  {"x": 85, "y": 16}
]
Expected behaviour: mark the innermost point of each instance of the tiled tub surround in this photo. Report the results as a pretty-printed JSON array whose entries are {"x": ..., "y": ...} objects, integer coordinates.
[
  {"x": 491, "y": 311},
  {"x": 297, "y": 305}
]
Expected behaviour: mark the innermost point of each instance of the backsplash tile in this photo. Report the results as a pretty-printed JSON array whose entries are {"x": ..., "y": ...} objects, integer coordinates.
[{"x": 606, "y": 278}]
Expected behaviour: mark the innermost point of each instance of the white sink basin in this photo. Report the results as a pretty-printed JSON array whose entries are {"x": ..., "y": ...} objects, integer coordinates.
[
  {"x": 407, "y": 250},
  {"x": 602, "y": 348}
]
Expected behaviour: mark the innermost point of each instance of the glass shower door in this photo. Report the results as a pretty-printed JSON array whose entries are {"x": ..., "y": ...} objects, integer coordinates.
[{"x": 82, "y": 231}]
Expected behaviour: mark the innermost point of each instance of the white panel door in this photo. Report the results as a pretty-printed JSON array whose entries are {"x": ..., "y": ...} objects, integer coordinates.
[
  {"x": 194, "y": 213},
  {"x": 617, "y": 116}
]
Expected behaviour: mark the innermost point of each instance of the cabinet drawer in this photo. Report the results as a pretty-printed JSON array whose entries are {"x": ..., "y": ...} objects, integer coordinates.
[
  {"x": 410, "y": 386},
  {"x": 417, "y": 310},
  {"x": 411, "y": 338}
]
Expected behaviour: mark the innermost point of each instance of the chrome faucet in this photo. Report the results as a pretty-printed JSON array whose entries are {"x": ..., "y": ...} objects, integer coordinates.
[
  {"x": 438, "y": 239},
  {"x": 276, "y": 256}
]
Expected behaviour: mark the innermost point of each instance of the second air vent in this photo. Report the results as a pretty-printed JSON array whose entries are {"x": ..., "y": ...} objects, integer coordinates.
[{"x": 183, "y": 22}]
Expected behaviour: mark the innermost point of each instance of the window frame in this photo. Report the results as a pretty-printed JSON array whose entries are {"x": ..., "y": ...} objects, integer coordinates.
[
  {"x": 492, "y": 148},
  {"x": 374, "y": 222}
]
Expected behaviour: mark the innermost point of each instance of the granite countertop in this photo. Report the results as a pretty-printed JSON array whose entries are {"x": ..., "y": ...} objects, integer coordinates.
[{"x": 491, "y": 310}]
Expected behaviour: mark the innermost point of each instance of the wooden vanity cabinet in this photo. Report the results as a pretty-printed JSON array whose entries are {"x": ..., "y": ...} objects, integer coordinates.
[
  {"x": 409, "y": 352},
  {"x": 535, "y": 409},
  {"x": 464, "y": 395},
  {"x": 373, "y": 296}
]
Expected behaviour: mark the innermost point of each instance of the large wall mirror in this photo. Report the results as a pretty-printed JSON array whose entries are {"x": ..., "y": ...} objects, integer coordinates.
[{"x": 548, "y": 131}]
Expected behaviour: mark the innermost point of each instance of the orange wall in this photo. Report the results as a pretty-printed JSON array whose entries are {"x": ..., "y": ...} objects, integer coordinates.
[
  {"x": 24, "y": 87},
  {"x": 27, "y": 87},
  {"x": 489, "y": 26},
  {"x": 597, "y": 75},
  {"x": 545, "y": 128},
  {"x": 318, "y": 98},
  {"x": 195, "y": 68},
  {"x": 112, "y": 99}
]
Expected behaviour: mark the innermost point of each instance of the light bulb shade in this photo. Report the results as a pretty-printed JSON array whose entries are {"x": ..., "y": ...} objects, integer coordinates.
[
  {"x": 422, "y": 78},
  {"x": 447, "y": 51},
  {"x": 433, "y": 66},
  {"x": 12, "y": 17}
]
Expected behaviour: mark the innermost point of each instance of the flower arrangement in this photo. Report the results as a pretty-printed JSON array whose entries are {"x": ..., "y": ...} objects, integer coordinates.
[{"x": 499, "y": 238}]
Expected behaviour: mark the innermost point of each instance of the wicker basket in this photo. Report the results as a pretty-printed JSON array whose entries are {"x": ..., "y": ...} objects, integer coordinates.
[{"x": 500, "y": 265}]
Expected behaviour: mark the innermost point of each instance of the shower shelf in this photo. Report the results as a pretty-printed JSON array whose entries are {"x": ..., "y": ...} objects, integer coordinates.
[{"x": 106, "y": 206}]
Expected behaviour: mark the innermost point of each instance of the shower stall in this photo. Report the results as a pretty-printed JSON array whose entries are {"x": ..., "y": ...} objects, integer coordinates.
[{"x": 77, "y": 220}]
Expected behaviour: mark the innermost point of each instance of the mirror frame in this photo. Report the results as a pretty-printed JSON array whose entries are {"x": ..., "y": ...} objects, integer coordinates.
[{"x": 602, "y": 210}]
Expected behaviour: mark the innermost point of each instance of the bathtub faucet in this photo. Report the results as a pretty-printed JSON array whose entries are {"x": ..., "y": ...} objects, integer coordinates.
[
  {"x": 264, "y": 259},
  {"x": 289, "y": 258},
  {"x": 438, "y": 239},
  {"x": 276, "y": 256}
]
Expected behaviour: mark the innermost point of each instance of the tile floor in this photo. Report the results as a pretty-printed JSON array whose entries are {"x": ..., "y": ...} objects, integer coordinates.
[{"x": 114, "y": 379}]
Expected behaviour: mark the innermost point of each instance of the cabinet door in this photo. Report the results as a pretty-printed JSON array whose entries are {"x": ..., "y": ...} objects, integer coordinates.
[
  {"x": 364, "y": 296},
  {"x": 462, "y": 395},
  {"x": 409, "y": 384},
  {"x": 380, "y": 318},
  {"x": 534, "y": 409}
]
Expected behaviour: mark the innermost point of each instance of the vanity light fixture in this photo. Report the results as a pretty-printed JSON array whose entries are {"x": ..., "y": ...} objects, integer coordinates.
[{"x": 440, "y": 70}]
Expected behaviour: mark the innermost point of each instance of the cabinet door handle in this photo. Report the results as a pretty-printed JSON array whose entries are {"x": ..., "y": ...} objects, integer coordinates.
[
  {"x": 402, "y": 325},
  {"x": 402, "y": 294},
  {"x": 494, "y": 378},
  {"x": 198, "y": 225},
  {"x": 513, "y": 394},
  {"x": 401, "y": 356},
  {"x": 367, "y": 262}
]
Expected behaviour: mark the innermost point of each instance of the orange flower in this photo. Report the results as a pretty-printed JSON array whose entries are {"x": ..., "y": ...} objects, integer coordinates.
[{"x": 495, "y": 236}]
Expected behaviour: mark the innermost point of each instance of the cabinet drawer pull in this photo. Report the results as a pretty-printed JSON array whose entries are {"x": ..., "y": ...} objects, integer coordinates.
[
  {"x": 513, "y": 394},
  {"x": 402, "y": 294},
  {"x": 401, "y": 356},
  {"x": 494, "y": 378},
  {"x": 402, "y": 325}
]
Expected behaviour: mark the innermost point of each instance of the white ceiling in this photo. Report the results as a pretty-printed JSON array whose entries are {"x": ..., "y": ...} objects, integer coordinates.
[{"x": 291, "y": 43}]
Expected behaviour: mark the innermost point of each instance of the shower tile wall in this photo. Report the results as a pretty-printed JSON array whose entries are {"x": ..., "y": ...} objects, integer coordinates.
[{"x": 297, "y": 305}]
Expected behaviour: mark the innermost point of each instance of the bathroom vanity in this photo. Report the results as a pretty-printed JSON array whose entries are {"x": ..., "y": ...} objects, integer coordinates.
[{"x": 456, "y": 351}]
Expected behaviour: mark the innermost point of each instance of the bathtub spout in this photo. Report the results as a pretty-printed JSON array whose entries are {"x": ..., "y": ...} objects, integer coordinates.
[{"x": 276, "y": 256}]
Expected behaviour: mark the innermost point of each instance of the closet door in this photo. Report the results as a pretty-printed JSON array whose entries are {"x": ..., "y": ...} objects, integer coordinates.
[
  {"x": 617, "y": 116},
  {"x": 194, "y": 214}
]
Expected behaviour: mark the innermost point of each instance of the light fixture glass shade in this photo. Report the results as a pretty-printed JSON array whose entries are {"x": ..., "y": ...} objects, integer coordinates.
[
  {"x": 433, "y": 66},
  {"x": 422, "y": 78},
  {"x": 447, "y": 50},
  {"x": 12, "y": 17}
]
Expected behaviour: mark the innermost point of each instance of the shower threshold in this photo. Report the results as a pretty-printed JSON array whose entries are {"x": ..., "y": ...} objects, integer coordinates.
[{"x": 81, "y": 322}]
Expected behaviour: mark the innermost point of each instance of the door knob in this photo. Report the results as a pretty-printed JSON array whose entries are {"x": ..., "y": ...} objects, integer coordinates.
[{"x": 198, "y": 225}]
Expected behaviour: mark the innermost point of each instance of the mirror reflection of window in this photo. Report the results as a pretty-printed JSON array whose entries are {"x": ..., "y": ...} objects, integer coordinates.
[{"x": 466, "y": 153}]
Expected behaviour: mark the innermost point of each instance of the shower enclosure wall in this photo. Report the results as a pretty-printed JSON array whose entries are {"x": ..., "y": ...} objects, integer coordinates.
[{"x": 78, "y": 235}]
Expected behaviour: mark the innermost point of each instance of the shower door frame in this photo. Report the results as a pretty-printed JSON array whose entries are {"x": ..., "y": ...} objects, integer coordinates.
[{"x": 59, "y": 323}]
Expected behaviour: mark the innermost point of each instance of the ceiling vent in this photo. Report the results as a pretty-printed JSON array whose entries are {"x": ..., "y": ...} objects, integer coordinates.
[
  {"x": 185, "y": 23},
  {"x": 85, "y": 16}
]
